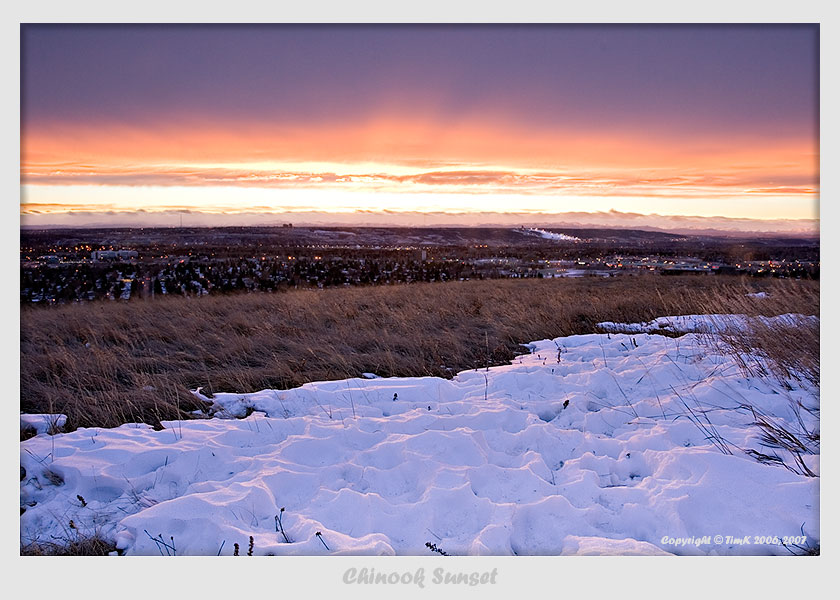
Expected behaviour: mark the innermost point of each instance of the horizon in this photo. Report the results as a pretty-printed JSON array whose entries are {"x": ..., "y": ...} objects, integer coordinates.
[
  {"x": 708, "y": 127},
  {"x": 806, "y": 231},
  {"x": 681, "y": 224}
]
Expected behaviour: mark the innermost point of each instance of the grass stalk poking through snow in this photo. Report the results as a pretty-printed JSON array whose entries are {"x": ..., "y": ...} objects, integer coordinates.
[{"x": 278, "y": 525}]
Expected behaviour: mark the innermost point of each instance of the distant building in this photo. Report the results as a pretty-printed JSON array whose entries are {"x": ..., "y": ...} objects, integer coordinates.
[{"x": 113, "y": 254}]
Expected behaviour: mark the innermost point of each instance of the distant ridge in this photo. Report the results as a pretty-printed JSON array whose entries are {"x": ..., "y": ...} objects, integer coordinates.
[{"x": 557, "y": 222}]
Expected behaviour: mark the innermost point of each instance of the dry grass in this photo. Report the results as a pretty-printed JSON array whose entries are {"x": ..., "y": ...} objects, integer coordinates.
[
  {"x": 81, "y": 546},
  {"x": 786, "y": 353},
  {"x": 107, "y": 363}
]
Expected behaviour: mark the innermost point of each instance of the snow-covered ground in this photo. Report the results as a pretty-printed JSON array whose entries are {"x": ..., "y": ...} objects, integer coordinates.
[
  {"x": 550, "y": 235},
  {"x": 596, "y": 444},
  {"x": 42, "y": 423},
  {"x": 713, "y": 324}
]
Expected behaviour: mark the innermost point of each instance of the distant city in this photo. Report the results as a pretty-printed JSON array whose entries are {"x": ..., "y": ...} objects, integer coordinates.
[{"x": 63, "y": 266}]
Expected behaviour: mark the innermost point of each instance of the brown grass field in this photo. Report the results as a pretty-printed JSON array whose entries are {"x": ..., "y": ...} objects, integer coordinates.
[{"x": 104, "y": 364}]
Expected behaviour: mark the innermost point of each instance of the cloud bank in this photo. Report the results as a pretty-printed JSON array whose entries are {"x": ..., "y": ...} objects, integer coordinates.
[{"x": 39, "y": 217}]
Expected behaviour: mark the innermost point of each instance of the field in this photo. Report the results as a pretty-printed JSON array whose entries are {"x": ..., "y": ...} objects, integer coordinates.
[
  {"x": 107, "y": 363},
  {"x": 606, "y": 428}
]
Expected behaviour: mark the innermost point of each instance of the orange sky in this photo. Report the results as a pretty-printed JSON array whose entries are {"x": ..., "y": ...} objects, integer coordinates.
[
  {"x": 547, "y": 169},
  {"x": 706, "y": 121}
]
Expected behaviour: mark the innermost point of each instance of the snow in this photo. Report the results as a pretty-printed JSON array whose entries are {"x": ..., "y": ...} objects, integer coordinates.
[
  {"x": 42, "y": 423},
  {"x": 590, "y": 444},
  {"x": 550, "y": 235},
  {"x": 709, "y": 323}
]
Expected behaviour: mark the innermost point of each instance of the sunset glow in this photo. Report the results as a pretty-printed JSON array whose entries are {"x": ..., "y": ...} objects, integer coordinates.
[{"x": 437, "y": 119}]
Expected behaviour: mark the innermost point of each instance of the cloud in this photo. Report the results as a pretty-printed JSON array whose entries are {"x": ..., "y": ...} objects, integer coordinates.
[
  {"x": 172, "y": 216},
  {"x": 475, "y": 181},
  {"x": 418, "y": 163}
]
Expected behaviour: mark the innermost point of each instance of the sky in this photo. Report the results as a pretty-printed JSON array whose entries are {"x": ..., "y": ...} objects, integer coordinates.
[{"x": 420, "y": 124}]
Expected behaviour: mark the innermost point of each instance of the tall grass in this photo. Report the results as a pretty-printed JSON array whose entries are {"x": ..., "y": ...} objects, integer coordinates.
[
  {"x": 785, "y": 352},
  {"x": 107, "y": 363}
]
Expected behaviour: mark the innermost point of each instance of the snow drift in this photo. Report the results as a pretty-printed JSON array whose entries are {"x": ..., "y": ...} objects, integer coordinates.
[{"x": 592, "y": 444}]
